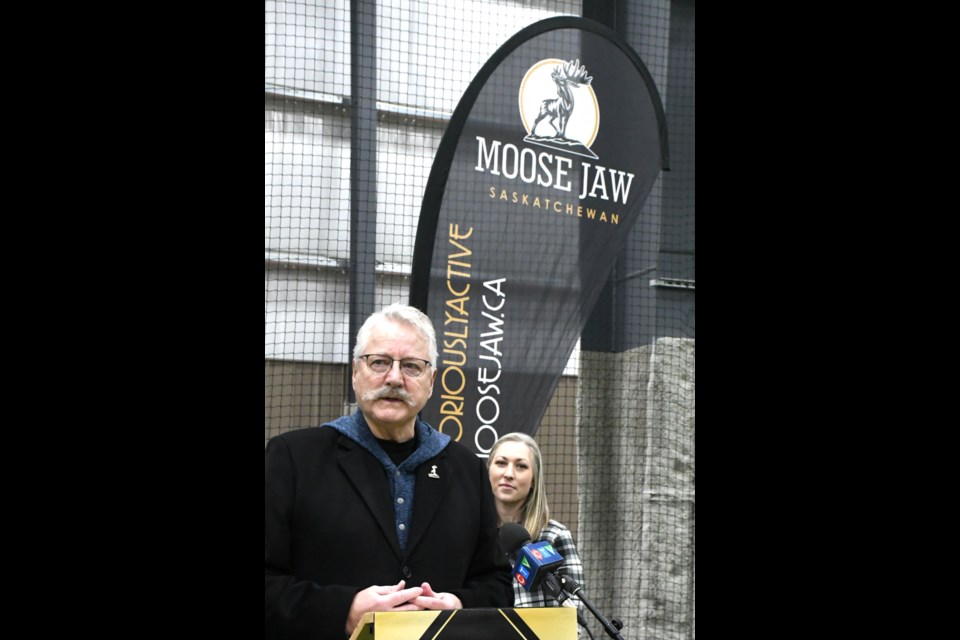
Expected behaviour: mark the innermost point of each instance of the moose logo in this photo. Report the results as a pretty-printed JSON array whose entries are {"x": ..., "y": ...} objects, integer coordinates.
[{"x": 558, "y": 106}]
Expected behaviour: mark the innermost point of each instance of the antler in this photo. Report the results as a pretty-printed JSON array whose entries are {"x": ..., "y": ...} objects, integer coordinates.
[{"x": 575, "y": 72}]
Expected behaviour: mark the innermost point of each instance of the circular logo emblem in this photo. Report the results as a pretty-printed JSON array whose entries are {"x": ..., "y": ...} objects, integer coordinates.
[{"x": 558, "y": 104}]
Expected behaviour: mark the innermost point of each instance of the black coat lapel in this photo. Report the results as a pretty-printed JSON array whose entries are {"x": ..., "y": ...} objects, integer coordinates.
[
  {"x": 433, "y": 480},
  {"x": 366, "y": 475}
]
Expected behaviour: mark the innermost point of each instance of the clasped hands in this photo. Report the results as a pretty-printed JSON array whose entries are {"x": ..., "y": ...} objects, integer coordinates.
[{"x": 398, "y": 598}]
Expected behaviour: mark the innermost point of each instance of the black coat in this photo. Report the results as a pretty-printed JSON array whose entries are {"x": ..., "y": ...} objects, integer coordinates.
[{"x": 329, "y": 532}]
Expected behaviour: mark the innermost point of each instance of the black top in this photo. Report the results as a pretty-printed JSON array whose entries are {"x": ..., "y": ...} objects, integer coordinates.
[{"x": 399, "y": 451}]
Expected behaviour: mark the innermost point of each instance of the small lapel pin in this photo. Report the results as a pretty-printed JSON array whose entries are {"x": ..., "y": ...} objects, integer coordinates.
[{"x": 433, "y": 472}]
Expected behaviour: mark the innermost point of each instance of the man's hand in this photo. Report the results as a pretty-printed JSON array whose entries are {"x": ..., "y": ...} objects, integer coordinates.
[
  {"x": 433, "y": 600},
  {"x": 378, "y": 598}
]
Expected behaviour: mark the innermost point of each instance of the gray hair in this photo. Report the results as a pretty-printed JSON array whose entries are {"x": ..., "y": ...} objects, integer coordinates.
[{"x": 399, "y": 313}]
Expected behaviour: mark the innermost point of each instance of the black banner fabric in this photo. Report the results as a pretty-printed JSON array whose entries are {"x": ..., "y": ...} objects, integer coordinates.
[{"x": 542, "y": 171}]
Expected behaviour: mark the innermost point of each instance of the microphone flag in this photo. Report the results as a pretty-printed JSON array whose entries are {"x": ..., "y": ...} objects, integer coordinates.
[{"x": 535, "y": 561}]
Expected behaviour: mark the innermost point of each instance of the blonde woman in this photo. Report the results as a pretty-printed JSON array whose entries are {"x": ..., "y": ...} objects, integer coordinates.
[{"x": 516, "y": 477}]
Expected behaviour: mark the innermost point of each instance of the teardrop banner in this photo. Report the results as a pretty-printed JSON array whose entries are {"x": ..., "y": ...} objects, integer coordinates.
[{"x": 541, "y": 173}]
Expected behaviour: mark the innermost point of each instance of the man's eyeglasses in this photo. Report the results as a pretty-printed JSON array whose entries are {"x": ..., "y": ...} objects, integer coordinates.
[{"x": 380, "y": 364}]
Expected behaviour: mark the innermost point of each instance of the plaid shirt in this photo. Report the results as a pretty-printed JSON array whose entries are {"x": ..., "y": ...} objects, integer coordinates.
[{"x": 561, "y": 539}]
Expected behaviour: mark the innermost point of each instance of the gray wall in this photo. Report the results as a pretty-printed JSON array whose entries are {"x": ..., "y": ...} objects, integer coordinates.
[{"x": 636, "y": 459}]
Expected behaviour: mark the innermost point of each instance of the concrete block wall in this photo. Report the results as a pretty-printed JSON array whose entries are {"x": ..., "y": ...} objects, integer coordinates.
[{"x": 635, "y": 432}]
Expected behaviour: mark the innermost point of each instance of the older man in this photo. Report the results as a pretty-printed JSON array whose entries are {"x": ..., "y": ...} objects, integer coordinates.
[{"x": 378, "y": 511}]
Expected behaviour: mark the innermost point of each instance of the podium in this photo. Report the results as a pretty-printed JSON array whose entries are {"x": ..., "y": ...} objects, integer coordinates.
[{"x": 531, "y": 623}]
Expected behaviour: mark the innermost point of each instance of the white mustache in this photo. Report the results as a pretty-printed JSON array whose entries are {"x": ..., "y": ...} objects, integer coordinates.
[{"x": 388, "y": 392}]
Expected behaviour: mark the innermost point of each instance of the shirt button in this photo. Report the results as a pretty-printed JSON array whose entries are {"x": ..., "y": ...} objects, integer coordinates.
[
  {"x": 398, "y": 473},
  {"x": 399, "y": 500},
  {"x": 406, "y": 572},
  {"x": 402, "y": 527}
]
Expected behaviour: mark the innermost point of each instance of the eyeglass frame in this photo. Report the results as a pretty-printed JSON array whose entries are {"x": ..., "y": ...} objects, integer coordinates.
[{"x": 392, "y": 360}]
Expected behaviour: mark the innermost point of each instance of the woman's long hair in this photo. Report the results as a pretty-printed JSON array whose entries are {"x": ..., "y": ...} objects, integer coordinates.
[{"x": 535, "y": 512}]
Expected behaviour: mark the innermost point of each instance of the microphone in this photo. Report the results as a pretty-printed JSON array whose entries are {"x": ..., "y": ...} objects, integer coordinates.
[
  {"x": 552, "y": 586},
  {"x": 611, "y": 627},
  {"x": 532, "y": 562},
  {"x": 512, "y": 537},
  {"x": 539, "y": 572}
]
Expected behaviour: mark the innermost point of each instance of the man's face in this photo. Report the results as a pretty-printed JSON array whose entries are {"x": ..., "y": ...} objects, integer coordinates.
[{"x": 389, "y": 416}]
